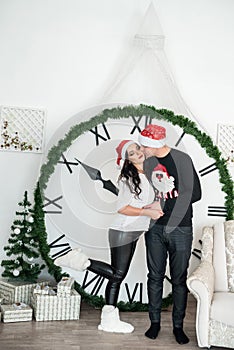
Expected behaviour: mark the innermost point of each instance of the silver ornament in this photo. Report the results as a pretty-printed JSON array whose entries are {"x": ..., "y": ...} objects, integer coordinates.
[
  {"x": 17, "y": 230},
  {"x": 16, "y": 272},
  {"x": 30, "y": 219}
]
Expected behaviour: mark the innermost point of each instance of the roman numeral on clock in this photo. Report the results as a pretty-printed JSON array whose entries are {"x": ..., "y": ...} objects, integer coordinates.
[
  {"x": 148, "y": 120},
  {"x": 197, "y": 253},
  {"x": 208, "y": 169},
  {"x": 180, "y": 139},
  {"x": 167, "y": 278},
  {"x": 98, "y": 135},
  {"x": 97, "y": 281},
  {"x": 217, "y": 211},
  {"x": 68, "y": 164},
  {"x": 131, "y": 298},
  {"x": 56, "y": 245},
  {"x": 53, "y": 202}
]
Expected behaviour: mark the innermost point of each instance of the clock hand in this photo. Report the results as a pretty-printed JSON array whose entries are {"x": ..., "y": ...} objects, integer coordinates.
[{"x": 95, "y": 174}]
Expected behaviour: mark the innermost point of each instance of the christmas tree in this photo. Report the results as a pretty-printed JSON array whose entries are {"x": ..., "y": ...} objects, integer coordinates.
[{"x": 23, "y": 246}]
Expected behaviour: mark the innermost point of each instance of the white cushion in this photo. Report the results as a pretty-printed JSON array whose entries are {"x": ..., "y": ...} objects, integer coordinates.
[
  {"x": 222, "y": 308},
  {"x": 229, "y": 237},
  {"x": 219, "y": 259}
]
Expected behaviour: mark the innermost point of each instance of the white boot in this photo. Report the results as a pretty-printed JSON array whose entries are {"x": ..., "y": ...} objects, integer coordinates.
[
  {"x": 74, "y": 259},
  {"x": 110, "y": 321}
]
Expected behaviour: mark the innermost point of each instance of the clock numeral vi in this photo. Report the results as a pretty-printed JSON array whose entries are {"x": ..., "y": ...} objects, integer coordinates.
[
  {"x": 217, "y": 211},
  {"x": 99, "y": 136},
  {"x": 53, "y": 202},
  {"x": 54, "y": 245},
  {"x": 131, "y": 298}
]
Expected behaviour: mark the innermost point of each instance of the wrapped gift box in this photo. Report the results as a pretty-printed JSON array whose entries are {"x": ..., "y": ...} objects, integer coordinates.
[
  {"x": 43, "y": 290},
  {"x": 64, "y": 287},
  {"x": 14, "y": 291},
  {"x": 19, "y": 312},
  {"x": 55, "y": 307}
]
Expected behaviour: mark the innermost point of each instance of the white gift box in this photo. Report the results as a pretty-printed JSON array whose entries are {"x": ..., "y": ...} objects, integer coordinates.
[
  {"x": 43, "y": 290},
  {"x": 64, "y": 287},
  {"x": 14, "y": 291},
  {"x": 55, "y": 307},
  {"x": 16, "y": 313}
]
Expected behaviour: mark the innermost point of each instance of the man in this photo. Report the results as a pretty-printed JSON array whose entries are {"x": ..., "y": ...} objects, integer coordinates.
[{"x": 177, "y": 186}]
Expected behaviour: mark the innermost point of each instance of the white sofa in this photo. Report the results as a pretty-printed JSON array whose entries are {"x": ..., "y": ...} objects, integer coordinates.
[{"x": 212, "y": 284}]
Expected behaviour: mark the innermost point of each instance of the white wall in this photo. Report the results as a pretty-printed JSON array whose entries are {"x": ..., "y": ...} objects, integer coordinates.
[{"x": 61, "y": 55}]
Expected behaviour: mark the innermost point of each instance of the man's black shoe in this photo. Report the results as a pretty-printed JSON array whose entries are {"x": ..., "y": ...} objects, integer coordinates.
[
  {"x": 180, "y": 336},
  {"x": 153, "y": 331}
]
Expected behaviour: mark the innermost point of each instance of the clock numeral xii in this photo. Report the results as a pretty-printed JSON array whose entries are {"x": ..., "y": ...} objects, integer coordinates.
[{"x": 148, "y": 120}]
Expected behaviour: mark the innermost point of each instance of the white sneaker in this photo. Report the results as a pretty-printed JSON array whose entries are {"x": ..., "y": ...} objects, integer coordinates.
[
  {"x": 110, "y": 321},
  {"x": 75, "y": 259}
]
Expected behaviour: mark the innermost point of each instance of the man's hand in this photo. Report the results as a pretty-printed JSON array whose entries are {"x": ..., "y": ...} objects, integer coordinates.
[
  {"x": 155, "y": 205},
  {"x": 155, "y": 214}
]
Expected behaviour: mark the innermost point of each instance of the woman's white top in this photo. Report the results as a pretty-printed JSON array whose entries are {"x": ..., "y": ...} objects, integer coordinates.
[{"x": 126, "y": 197}]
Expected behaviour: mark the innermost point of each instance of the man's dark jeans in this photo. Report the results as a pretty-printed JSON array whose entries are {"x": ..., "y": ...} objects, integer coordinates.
[{"x": 176, "y": 242}]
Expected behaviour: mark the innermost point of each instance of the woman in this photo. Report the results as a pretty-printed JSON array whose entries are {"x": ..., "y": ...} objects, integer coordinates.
[{"x": 132, "y": 220}]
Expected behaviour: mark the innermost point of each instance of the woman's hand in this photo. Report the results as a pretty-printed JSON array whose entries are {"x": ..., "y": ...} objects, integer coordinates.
[{"x": 154, "y": 214}]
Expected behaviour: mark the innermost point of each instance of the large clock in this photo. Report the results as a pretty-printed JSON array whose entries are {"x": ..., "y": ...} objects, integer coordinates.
[{"x": 81, "y": 190}]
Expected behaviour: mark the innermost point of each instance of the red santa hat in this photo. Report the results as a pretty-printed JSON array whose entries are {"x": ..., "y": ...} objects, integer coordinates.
[
  {"x": 162, "y": 169},
  {"x": 121, "y": 150},
  {"x": 153, "y": 136}
]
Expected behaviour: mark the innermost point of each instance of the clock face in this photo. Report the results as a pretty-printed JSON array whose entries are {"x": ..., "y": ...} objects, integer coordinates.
[{"x": 81, "y": 194}]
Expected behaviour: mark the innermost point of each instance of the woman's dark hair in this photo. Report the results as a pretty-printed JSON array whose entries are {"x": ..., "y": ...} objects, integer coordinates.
[{"x": 130, "y": 173}]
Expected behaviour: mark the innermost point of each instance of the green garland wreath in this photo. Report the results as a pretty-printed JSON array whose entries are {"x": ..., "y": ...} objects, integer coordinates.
[{"x": 75, "y": 131}]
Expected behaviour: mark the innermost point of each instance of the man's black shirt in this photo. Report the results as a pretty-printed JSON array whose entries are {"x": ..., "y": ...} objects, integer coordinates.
[{"x": 176, "y": 185}]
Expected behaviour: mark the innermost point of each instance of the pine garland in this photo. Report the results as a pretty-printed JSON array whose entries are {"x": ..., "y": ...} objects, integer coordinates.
[{"x": 54, "y": 154}]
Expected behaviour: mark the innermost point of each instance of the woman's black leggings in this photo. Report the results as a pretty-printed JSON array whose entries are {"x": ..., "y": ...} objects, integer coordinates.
[{"x": 122, "y": 248}]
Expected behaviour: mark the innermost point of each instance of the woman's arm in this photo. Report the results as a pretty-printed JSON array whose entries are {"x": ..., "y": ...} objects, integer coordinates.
[{"x": 133, "y": 211}]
